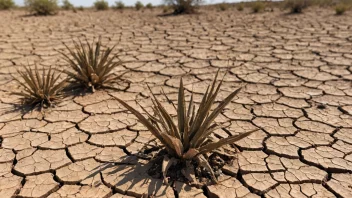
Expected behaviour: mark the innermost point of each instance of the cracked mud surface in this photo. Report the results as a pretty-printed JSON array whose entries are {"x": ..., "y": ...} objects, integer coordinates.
[{"x": 296, "y": 71}]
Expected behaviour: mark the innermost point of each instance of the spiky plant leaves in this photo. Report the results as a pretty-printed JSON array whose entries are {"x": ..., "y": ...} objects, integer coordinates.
[
  {"x": 39, "y": 88},
  {"x": 190, "y": 154},
  {"x": 190, "y": 138},
  {"x": 91, "y": 65},
  {"x": 204, "y": 163}
]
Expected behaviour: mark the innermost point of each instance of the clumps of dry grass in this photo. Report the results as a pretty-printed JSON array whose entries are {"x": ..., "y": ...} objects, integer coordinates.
[
  {"x": 149, "y": 6},
  {"x": 67, "y": 5},
  {"x": 341, "y": 8},
  {"x": 6, "y": 4},
  {"x": 257, "y": 6},
  {"x": 296, "y": 6},
  {"x": 184, "y": 6},
  {"x": 42, "y": 7},
  {"x": 240, "y": 7},
  {"x": 40, "y": 88},
  {"x": 323, "y": 3},
  {"x": 139, "y": 5},
  {"x": 119, "y": 5},
  {"x": 223, "y": 6},
  {"x": 165, "y": 9},
  {"x": 101, "y": 5},
  {"x": 92, "y": 67},
  {"x": 189, "y": 139}
]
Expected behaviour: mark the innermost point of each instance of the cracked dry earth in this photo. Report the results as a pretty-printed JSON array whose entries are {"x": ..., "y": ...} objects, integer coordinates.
[{"x": 296, "y": 70}]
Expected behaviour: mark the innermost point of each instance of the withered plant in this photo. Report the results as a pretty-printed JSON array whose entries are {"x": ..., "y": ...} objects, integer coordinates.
[
  {"x": 297, "y": 6},
  {"x": 189, "y": 139},
  {"x": 92, "y": 67},
  {"x": 42, "y": 7},
  {"x": 184, "y": 6},
  {"x": 41, "y": 88}
]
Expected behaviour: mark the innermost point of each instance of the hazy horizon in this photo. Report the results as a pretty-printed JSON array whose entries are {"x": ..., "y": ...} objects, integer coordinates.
[{"x": 88, "y": 3}]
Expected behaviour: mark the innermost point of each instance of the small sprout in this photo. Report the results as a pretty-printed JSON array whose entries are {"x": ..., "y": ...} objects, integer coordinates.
[
  {"x": 189, "y": 138},
  {"x": 40, "y": 88},
  {"x": 91, "y": 65}
]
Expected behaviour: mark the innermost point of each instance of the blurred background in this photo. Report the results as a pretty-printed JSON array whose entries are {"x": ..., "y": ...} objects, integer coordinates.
[{"x": 88, "y": 3}]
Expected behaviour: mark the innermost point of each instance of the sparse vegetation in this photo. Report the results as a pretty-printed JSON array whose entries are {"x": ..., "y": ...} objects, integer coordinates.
[
  {"x": 183, "y": 6},
  {"x": 223, "y": 6},
  {"x": 91, "y": 65},
  {"x": 296, "y": 6},
  {"x": 166, "y": 9},
  {"x": 323, "y": 3},
  {"x": 340, "y": 9},
  {"x": 139, "y": 5},
  {"x": 40, "y": 88},
  {"x": 101, "y": 5},
  {"x": 240, "y": 7},
  {"x": 42, "y": 7},
  {"x": 189, "y": 140},
  {"x": 80, "y": 8},
  {"x": 257, "y": 6},
  {"x": 67, "y": 5},
  {"x": 149, "y": 6},
  {"x": 119, "y": 5},
  {"x": 6, "y": 4}
]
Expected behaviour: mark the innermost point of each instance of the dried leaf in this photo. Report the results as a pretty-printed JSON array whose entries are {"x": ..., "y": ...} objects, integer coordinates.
[
  {"x": 204, "y": 163},
  {"x": 190, "y": 154}
]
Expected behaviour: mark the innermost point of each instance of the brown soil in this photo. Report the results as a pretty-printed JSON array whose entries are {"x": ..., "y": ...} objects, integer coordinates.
[{"x": 295, "y": 69}]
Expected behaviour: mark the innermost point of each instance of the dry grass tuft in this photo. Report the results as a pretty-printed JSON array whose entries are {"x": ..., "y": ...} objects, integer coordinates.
[
  {"x": 296, "y": 6},
  {"x": 184, "y": 6},
  {"x": 139, "y": 5},
  {"x": 341, "y": 8},
  {"x": 149, "y": 6},
  {"x": 67, "y": 5},
  {"x": 257, "y": 6},
  {"x": 223, "y": 6},
  {"x": 6, "y": 4},
  {"x": 101, "y": 5},
  {"x": 119, "y": 5},
  {"x": 42, "y": 7}
]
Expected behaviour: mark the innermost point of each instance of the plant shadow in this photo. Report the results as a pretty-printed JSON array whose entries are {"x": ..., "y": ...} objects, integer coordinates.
[{"x": 131, "y": 179}]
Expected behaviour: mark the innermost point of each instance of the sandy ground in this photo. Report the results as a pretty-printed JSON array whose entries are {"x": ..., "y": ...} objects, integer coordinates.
[{"x": 297, "y": 75}]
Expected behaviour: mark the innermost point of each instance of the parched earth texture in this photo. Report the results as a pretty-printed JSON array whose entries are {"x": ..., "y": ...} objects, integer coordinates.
[{"x": 296, "y": 73}]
